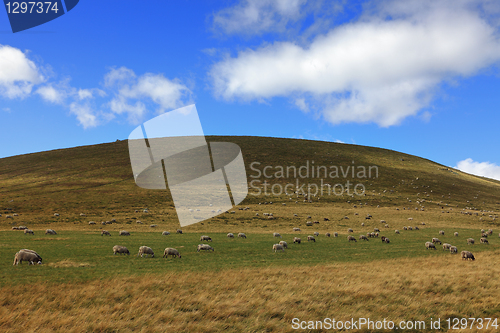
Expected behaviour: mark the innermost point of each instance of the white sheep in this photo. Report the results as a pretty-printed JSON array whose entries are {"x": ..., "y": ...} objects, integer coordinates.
[
  {"x": 91, "y": 222},
  {"x": 446, "y": 246},
  {"x": 467, "y": 255},
  {"x": 120, "y": 249},
  {"x": 455, "y": 234},
  {"x": 296, "y": 229},
  {"x": 170, "y": 251},
  {"x": 50, "y": 232},
  {"x": 350, "y": 230},
  {"x": 105, "y": 233},
  {"x": 27, "y": 255},
  {"x": 204, "y": 247},
  {"x": 145, "y": 250},
  {"x": 430, "y": 245},
  {"x": 275, "y": 234},
  {"x": 327, "y": 234},
  {"x": 363, "y": 237},
  {"x": 205, "y": 238},
  {"x": 230, "y": 235},
  {"x": 278, "y": 247},
  {"x": 441, "y": 232},
  {"x": 28, "y": 231},
  {"x": 436, "y": 240},
  {"x": 484, "y": 240},
  {"x": 470, "y": 241},
  {"x": 179, "y": 231},
  {"x": 124, "y": 233},
  {"x": 284, "y": 244},
  {"x": 316, "y": 234},
  {"x": 242, "y": 235},
  {"x": 296, "y": 240},
  {"x": 397, "y": 231},
  {"x": 311, "y": 238},
  {"x": 165, "y": 233},
  {"x": 453, "y": 249},
  {"x": 335, "y": 234},
  {"x": 351, "y": 238}
]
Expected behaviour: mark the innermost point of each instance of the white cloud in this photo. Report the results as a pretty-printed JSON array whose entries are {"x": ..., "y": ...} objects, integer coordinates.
[
  {"x": 257, "y": 16},
  {"x": 51, "y": 94},
  {"x": 18, "y": 74},
  {"x": 301, "y": 104},
  {"x": 165, "y": 93},
  {"x": 90, "y": 93},
  {"x": 372, "y": 70},
  {"x": 84, "y": 114},
  {"x": 485, "y": 169}
]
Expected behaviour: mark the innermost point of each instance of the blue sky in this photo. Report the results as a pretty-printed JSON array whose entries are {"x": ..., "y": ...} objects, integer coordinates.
[{"x": 420, "y": 77}]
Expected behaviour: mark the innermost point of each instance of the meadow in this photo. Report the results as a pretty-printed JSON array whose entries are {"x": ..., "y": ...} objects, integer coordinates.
[{"x": 243, "y": 286}]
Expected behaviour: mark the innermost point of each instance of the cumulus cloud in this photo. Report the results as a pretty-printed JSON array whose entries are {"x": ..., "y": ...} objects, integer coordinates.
[
  {"x": 382, "y": 68},
  {"x": 134, "y": 93},
  {"x": 84, "y": 114},
  {"x": 51, "y": 94},
  {"x": 18, "y": 74},
  {"x": 257, "y": 16},
  {"x": 484, "y": 169}
]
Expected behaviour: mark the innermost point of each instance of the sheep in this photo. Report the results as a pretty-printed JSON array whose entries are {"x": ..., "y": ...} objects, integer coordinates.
[
  {"x": 275, "y": 234},
  {"x": 284, "y": 244},
  {"x": 484, "y": 240},
  {"x": 242, "y": 235},
  {"x": 296, "y": 229},
  {"x": 455, "y": 234},
  {"x": 417, "y": 228},
  {"x": 441, "y": 232},
  {"x": 436, "y": 240},
  {"x": 153, "y": 225},
  {"x": 470, "y": 241},
  {"x": 410, "y": 228},
  {"x": 15, "y": 228},
  {"x": 145, "y": 250},
  {"x": 386, "y": 240},
  {"x": 205, "y": 238},
  {"x": 405, "y": 228},
  {"x": 91, "y": 222},
  {"x": 327, "y": 234},
  {"x": 376, "y": 230},
  {"x": 120, "y": 249},
  {"x": 204, "y": 247},
  {"x": 165, "y": 233},
  {"x": 382, "y": 238},
  {"x": 309, "y": 223},
  {"x": 178, "y": 231},
  {"x": 316, "y": 234},
  {"x": 484, "y": 235},
  {"x": 363, "y": 237},
  {"x": 278, "y": 247},
  {"x": 104, "y": 232},
  {"x": 430, "y": 245},
  {"x": 467, "y": 255},
  {"x": 50, "y": 232},
  {"x": 230, "y": 235},
  {"x": 350, "y": 238},
  {"x": 453, "y": 249},
  {"x": 363, "y": 224},
  {"x": 296, "y": 240},
  {"x": 446, "y": 246},
  {"x": 28, "y": 231},
  {"x": 56, "y": 214},
  {"x": 170, "y": 251},
  {"x": 27, "y": 255},
  {"x": 311, "y": 238},
  {"x": 124, "y": 233},
  {"x": 336, "y": 234},
  {"x": 396, "y": 231},
  {"x": 490, "y": 232},
  {"x": 376, "y": 234}
]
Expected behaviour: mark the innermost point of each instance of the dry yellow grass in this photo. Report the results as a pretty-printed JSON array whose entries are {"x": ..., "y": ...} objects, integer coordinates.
[{"x": 260, "y": 300}]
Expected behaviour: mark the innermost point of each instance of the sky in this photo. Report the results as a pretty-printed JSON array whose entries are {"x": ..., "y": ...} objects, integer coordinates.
[{"x": 416, "y": 76}]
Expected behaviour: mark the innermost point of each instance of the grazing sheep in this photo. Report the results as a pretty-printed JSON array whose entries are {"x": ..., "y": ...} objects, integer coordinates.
[
  {"x": 296, "y": 240},
  {"x": 27, "y": 255},
  {"x": 350, "y": 238},
  {"x": 205, "y": 238},
  {"x": 242, "y": 235},
  {"x": 376, "y": 230},
  {"x": 311, "y": 238},
  {"x": 153, "y": 225},
  {"x": 484, "y": 240},
  {"x": 309, "y": 223},
  {"x": 204, "y": 247},
  {"x": 416, "y": 228},
  {"x": 230, "y": 235},
  {"x": 453, "y": 249},
  {"x": 28, "y": 231},
  {"x": 363, "y": 224},
  {"x": 490, "y": 232},
  {"x": 170, "y": 251},
  {"x": 104, "y": 232},
  {"x": 441, "y": 232},
  {"x": 316, "y": 234},
  {"x": 470, "y": 241},
  {"x": 467, "y": 255},
  {"x": 350, "y": 230},
  {"x": 455, "y": 234},
  {"x": 284, "y": 244},
  {"x": 275, "y": 234},
  {"x": 145, "y": 250},
  {"x": 15, "y": 228},
  {"x": 165, "y": 233},
  {"x": 91, "y": 223},
  {"x": 396, "y": 231},
  {"x": 436, "y": 240},
  {"x": 124, "y": 233},
  {"x": 446, "y": 246},
  {"x": 50, "y": 232},
  {"x": 120, "y": 249},
  {"x": 430, "y": 245},
  {"x": 410, "y": 228},
  {"x": 278, "y": 247},
  {"x": 363, "y": 237},
  {"x": 327, "y": 234},
  {"x": 386, "y": 240},
  {"x": 405, "y": 228},
  {"x": 376, "y": 234},
  {"x": 178, "y": 231},
  {"x": 56, "y": 214},
  {"x": 296, "y": 229},
  {"x": 336, "y": 234},
  {"x": 484, "y": 234}
]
